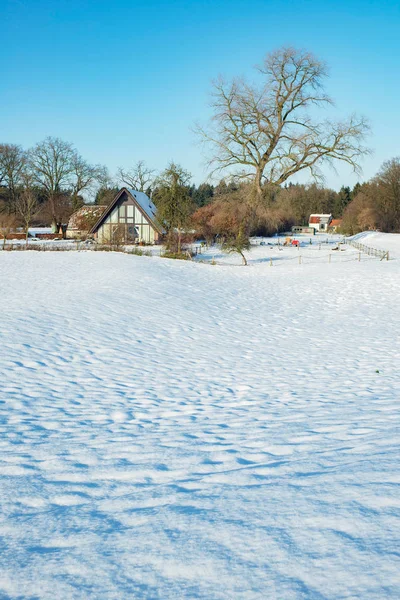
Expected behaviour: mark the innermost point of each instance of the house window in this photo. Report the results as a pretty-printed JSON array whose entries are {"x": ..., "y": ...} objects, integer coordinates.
[
  {"x": 122, "y": 212},
  {"x": 133, "y": 232}
]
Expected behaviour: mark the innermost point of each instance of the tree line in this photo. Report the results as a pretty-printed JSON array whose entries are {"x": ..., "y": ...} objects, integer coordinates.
[{"x": 260, "y": 135}]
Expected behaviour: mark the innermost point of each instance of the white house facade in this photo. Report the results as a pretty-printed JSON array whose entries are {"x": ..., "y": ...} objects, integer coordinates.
[
  {"x": 130, "y": 218},
  {"x": 320, "y": 222}
]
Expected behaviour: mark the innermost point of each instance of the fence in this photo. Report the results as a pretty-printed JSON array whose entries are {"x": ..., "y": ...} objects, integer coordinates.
[
  {"x": 39, "y": 247},
  {"x": 302, "y": 255},
  {"x": 382, "y": 254}
]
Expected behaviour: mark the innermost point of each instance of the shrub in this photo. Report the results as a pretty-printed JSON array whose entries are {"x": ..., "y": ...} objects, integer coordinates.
[{"x": 177, "y": 255}]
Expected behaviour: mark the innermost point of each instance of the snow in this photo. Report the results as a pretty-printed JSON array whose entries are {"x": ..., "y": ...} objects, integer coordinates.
[
  {"x": 174, "y": 430},
  {"x": 381, "y": 241},
  {"x": 36, "y": 230},
  {"x": 144, "y": 201}
]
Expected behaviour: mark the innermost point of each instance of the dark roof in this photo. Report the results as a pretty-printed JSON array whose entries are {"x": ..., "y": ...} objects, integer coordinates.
[
  {"x": 85, "y": 211},
  {"x": 142, "y": 201}
]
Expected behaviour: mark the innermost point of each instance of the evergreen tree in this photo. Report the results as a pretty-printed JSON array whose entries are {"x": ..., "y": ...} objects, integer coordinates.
[
  {"x": 173, "y": 202},
  {"x": 343, "y": 198},
  {"x": 202, "y": 195}
]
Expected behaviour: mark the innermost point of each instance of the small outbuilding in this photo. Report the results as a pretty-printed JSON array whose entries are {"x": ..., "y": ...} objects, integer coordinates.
[
  {"x": 130, "y": 218},
  {"x": 320, "y": 222},
  {"x": 82, "y": 220},
  {"x": 335, "y": 224},
  {"x": 303, "y": 229}
]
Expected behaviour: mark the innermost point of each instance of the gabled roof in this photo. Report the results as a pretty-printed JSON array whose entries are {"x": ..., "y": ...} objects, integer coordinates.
[
  {"x": 142, "y": 201},
  {"x": 318, "y": 217}
]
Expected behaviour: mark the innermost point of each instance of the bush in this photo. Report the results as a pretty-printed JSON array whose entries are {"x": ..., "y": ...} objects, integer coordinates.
[
  {"x": 177, "y": 255},
  {"x": 139, "y": 252}
]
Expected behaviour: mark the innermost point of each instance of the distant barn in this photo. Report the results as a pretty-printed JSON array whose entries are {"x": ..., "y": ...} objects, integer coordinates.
[{"x": 130, "y": 218}]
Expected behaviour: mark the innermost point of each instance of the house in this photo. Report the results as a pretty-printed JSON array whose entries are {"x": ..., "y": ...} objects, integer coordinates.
[
  {"x": 130, "y": 218},
  {"x": 335, "y": 224},
  {"x": 320, "y": 222},
  {"x": 82, "y": 221}
]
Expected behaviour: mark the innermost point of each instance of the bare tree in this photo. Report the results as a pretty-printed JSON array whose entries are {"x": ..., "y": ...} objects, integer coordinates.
[
  {"x": 12, "y": 163},
  {"x": 52, "y": 164},
  {"x": 27, "y": 203},
  {"x": 8, "y": 222},
  {"x": 388, "y": 194},
  {"x": 266, "y": 131},
  {"x": 238, "y": 242},
  {"x": 139, "y": 177},
  {"x": 84, "y": 177},
  {"x": 107, "y": 187}
]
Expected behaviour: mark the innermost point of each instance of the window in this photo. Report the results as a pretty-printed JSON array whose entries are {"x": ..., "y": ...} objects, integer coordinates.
[{"x": 133, "y": 232}]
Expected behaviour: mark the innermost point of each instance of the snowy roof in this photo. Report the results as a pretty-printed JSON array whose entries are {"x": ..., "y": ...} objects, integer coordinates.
[{"x": 145, "y": 203}]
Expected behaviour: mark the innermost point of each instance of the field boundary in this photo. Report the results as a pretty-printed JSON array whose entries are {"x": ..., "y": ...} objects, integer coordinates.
[{"x": 382, "y": 254}]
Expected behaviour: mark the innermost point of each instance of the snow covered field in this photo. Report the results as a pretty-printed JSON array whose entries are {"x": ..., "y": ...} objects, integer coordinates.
[
  {"x": 173, "y": 430},
  {"x": 381, "y": 241}
]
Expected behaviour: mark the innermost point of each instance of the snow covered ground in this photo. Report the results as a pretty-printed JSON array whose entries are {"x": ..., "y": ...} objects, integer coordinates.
[
  {"x": 174, "y": 430},
  {"x": 381, "y": 241}
]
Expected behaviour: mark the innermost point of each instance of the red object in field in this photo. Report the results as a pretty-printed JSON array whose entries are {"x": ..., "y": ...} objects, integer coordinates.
[{"x": 295, "y": 243}]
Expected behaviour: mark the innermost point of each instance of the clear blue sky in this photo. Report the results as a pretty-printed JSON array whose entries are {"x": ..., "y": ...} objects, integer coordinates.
[{"x": 126, "y": 80}]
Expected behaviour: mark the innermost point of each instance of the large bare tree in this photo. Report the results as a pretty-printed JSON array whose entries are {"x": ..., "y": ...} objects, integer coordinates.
[
  {"x": 12, "y": 163},
  {"x": 84, "y": 176},
  {"x": 107, "y": 187},
  {"x": 52, "y": 164},
  {"x": 267, "y": 132},
  {"x": 139, "y": 177}
]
